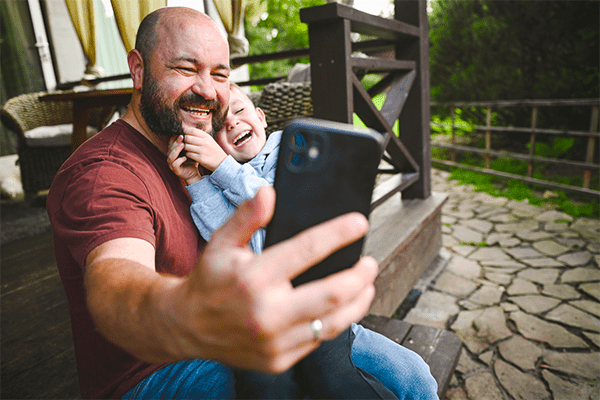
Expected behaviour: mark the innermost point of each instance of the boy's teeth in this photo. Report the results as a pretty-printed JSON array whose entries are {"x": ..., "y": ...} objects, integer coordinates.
[{"x": 242, "y": 138}]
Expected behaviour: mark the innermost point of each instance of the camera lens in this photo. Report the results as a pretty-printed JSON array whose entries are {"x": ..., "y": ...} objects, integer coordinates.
[
  {"x": 297, "y": 159},
  {"x": 299, "y": 140}
]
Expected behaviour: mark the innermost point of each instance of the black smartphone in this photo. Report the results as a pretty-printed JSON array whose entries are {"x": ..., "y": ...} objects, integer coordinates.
[{"x": 324, "y": 169}]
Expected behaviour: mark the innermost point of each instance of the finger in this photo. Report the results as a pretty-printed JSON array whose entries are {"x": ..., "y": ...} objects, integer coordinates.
[
  {"x": 178, "y": 162},
  {"x": 291, "y": 357},
  {"x": 339, "y": 299},
  {"x": 196, "y": 139},
  {"x": 249, "y": 358},
  {"x": 346, "y": 296},
  {"x": 174, "y": 141},
  {"x": 291, "y": 257},
  {"x": 174, "y": 151},
  {"x": 333, "y": 324},
  {"x": 191, "y": 133},
  {"x": 248, "y": 218},
  {"x": 319, "y": 297}
]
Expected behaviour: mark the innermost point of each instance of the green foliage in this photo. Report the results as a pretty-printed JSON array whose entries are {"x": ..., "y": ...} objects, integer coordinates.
[
  {"x": 272, "y": 26},
  {"x": 378, "y": 101},
  {"x": 461, "y": 126},
  {"x": 370, "y": 80},
  {"x": 511, "y": 166},
  {"x": 500, "y": 50},
  {"x": 557, "y": 147}
]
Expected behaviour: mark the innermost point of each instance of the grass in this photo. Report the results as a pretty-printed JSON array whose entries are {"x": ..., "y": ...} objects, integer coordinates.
[
  {"x": 574, "y": 206},
  {"x": 481, "y": 244}
]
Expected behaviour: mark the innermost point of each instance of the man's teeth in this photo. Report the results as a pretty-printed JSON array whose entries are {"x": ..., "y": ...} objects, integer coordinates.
[
  {"x": 242, "y": 138},
  {"x": 202, "y": 111}
]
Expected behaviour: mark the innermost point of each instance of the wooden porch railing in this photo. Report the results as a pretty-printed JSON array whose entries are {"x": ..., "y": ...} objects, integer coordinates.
[
  {"x": 337, "y": 91},
  {"x": 587, "y": 165},
  {"x": 337, "y": 65}
]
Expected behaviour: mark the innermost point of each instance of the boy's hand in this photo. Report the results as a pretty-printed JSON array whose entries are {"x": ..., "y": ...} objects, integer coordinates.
[
  {"x": 183, "y": 167},
  {"x": 202, "y": 147}
]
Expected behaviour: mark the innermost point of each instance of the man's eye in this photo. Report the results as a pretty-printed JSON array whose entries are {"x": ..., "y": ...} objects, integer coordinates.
[{"x": 221, "y": 76}]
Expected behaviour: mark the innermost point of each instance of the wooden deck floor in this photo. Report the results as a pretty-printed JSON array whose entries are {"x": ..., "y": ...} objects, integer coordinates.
[
  {"x": 37, "y": 355},
  {"x": 38, "y": 361}
]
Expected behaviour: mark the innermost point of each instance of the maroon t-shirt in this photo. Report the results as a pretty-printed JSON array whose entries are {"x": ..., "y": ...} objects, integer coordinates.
[{"x": 116, "y": 185}]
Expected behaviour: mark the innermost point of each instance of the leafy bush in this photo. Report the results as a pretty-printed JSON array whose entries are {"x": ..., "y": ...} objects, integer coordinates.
[{"x": 462, "y": 127}]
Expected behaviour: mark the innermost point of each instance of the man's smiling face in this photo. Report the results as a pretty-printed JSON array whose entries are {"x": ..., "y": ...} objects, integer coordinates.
[{"x": 186, "y": 82}]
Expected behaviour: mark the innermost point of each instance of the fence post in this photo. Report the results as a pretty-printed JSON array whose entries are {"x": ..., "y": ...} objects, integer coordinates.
[
  {"x": 587, "y": 175},
  {"x": 452, "y": 132},
  {"x": 488, "y": 136},
  {"x": 534, "y": 114}
]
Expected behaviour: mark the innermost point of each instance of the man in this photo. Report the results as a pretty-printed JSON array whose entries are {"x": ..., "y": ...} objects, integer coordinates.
[{"x": 150, "y": 301}]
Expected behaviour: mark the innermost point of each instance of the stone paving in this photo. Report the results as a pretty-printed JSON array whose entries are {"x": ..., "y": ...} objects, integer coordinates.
[{"x": 521, "y": 288}]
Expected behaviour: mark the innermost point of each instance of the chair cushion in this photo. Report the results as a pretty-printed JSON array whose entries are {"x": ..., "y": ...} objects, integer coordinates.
[{"x": 55, "y": 135}]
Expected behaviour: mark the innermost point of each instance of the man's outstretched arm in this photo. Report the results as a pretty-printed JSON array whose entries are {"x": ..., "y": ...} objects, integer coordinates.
[{"x": 235, "y": 307}]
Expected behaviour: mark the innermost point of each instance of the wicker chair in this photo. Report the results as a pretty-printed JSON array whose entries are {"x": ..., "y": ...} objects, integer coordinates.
[
  {"x": 39, "y": 164},
  {"x": 282, "y": 101}
]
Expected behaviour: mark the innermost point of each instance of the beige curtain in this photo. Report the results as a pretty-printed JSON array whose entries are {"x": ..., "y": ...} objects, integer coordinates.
[
  {"x": 129, "y": 14},
  {"x": 232, "y": 16},
  {"x": 82, "y": 15}
]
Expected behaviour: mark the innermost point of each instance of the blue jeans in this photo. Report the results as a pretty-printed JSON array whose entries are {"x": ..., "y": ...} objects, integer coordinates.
[{"x": 401, "y": 370}]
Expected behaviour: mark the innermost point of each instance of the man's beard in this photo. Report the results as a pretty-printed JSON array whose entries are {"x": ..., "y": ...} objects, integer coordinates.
[{"x": 164, "y": 120}]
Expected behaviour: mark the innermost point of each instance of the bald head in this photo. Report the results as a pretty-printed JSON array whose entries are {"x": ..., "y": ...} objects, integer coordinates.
[{"x": 149, "y": 31}]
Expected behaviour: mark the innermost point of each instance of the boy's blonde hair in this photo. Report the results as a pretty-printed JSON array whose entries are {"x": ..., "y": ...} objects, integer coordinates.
[{"x": 233, "y": 85}]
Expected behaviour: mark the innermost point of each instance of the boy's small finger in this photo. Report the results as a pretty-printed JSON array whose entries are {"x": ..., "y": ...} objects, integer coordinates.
[
  {"x": 177, "y": 163},
  {"x": 174, "y": 152},
  {"x": 193, "y": 132}
]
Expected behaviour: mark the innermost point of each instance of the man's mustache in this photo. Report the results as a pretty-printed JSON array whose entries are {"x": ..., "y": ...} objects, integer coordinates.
[{"x": 197, "y": 101}]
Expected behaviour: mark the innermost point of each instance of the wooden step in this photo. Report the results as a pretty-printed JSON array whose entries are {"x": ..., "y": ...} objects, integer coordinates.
[
  {"x": 405, "y": 237},
  {"x": 439, "y": 348}
]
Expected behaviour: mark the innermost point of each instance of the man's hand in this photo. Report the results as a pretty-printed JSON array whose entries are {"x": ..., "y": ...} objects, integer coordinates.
[
  {"x": 183, "y": 167},
  {"x": 202, "y": 148},
  {"x": 246, "y": 311}
]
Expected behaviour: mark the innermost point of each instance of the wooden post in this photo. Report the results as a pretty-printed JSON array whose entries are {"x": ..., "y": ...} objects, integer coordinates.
[
  {"x": 330, "y": 71},
  {"x": 488, "y": 135},
  {"x": 534, "y": 114},
  {"x": 415, "y": 131},
  {"x": 591, "y": 147}
]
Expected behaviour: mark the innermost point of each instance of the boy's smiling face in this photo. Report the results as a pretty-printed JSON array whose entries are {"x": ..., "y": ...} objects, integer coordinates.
[{"x": 243, "y": 135}]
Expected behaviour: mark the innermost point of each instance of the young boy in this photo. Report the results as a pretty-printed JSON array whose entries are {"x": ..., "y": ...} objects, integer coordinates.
[{"x": 241, "y": 159}]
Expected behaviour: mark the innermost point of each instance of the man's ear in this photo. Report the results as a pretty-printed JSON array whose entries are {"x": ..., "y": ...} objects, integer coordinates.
[
  {"x": 136, "y": 68},
  {"x": 261, "y": 116}
]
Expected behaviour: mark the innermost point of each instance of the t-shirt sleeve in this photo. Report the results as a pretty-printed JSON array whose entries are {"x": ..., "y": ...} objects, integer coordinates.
[{"x": 101, "y": 202}]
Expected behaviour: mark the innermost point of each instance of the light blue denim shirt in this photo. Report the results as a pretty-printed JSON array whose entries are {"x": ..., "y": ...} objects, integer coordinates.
[{"x": 215, "y": 197}]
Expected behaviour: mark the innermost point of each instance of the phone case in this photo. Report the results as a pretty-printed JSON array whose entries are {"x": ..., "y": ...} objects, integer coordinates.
[{"x": 324, "y": 169}]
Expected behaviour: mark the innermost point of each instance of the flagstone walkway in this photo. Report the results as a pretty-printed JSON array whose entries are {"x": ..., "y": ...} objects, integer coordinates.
[{"x": 522, "y": 290}]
